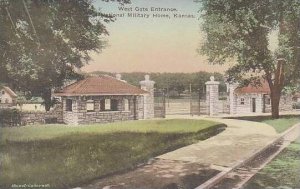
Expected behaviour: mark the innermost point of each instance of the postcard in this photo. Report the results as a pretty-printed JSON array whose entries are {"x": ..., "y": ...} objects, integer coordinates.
[{"x": 148, "y": 94}]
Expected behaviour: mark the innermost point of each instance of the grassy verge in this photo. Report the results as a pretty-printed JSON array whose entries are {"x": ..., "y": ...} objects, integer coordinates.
[
  {"x": 282, "y": 172},
  {"x": 280, "y": 125},
  {"x": 68, "y": 156}
]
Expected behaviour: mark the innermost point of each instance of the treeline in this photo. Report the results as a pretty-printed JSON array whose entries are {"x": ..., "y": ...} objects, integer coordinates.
[{"x": 173, "y": 83}]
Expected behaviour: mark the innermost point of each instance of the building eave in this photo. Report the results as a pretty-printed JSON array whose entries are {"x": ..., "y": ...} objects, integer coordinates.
[{"x": 79, "y": 95}]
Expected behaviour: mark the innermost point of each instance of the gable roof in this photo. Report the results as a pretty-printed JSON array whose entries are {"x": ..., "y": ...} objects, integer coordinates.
[
  {"x": 100, "y": 85},
  {"x": 262, "y": 89},
  {"x": 9, "y": 91}
]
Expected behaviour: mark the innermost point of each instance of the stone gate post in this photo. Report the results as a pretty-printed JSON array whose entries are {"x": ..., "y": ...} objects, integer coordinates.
[
  {"x": 148, "y": 85},
  {"x": 212, "y": 95},
  {"x": 232, "y": 98}
]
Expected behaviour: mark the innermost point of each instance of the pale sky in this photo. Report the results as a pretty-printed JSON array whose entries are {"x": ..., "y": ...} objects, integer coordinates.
[{"x": 152, "y": 44}]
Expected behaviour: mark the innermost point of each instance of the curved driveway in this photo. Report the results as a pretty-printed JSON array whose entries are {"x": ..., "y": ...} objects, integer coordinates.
[{"x": 238, "y": 142}]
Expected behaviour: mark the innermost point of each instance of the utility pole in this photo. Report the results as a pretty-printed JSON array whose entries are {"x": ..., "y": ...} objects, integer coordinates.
[{"x": 191, "y": 112}]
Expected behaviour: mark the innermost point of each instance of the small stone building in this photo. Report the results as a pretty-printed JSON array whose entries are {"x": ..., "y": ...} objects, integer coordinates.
[
  {"x": 296, "y": 97},
  {"x": 104, "y": 99},
  {"x": 254, "y": 99},
  {"x": 7, "y": 96}
]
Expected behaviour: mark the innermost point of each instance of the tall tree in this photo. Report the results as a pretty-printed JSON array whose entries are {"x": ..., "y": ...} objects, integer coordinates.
[
  {"x": 43, "y": 42},
  {"x": 240, "y": 30}
]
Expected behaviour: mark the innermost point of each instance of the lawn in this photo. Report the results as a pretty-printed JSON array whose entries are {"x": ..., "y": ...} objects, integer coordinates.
[
  {"x": 67, "y": 156},
  {"x": 282, "y": 172},
  {"x": 280, "y": 125}
]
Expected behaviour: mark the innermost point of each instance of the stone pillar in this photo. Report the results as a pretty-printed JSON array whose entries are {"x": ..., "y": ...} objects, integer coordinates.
[
  {"x": 119, "y": 77},
  {"x": 232, "y": 98},
  {"x": 148, "y": 86},
  {"x": 70, "y": 117},
  {"x": 212, "y": 95}
]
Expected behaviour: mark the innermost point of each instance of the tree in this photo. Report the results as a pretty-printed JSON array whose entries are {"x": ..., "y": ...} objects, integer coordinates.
[
  {"x": 42, "y": 43},
  {"x": 240, "y": 29}
]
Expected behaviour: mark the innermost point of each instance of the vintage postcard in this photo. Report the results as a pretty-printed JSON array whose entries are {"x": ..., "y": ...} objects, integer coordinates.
[{"x": 150, "y": 94}]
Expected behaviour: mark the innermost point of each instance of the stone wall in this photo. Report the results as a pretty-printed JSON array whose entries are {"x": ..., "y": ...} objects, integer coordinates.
[
  {"x": 54, "y": 116},
  {"x": 105, "y": 117},
  {"x": 247, "y": 106},
  {"x": 5, "y": 106}
]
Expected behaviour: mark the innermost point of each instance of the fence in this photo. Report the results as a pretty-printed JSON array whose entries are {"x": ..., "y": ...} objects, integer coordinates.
[{"x": 159, "y": 104}]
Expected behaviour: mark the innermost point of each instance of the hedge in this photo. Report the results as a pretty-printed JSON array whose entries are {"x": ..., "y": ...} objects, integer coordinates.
[{"x": 10, "y": 117}]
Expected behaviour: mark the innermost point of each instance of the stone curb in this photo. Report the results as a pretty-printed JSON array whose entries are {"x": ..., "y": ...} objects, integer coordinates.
[{"x": 208, "y": 184}]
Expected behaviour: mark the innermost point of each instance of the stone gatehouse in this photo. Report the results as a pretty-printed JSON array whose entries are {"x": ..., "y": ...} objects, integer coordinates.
[
  {"x": 104, "y": 99},
  {"x": 255, "y": 99}
]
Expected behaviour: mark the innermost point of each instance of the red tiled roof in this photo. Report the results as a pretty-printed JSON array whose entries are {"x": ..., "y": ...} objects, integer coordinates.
[
  {"x": 100, "y": 85},
  {"x": 263, "y": 88}
]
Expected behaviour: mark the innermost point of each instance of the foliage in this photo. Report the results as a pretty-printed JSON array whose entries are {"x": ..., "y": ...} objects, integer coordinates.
[
  {"x": 80, "y": 154},
  {"x": 10, "y": 117},
  {"x": 42, "y": 132},
  {"x": 282, "y": 124},
  {"x": 282, "y": 172},
  {"x": 42, "y": 47},
  {"x": 240, "y": 30}
]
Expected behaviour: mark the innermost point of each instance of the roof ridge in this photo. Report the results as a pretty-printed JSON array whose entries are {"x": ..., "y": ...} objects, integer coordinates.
[
  {"x": 103, "y": 84},
  {"x": 80, "y": 84},
  {"x": 11, "y": 92},
  {"x": 111, "y": 77}
]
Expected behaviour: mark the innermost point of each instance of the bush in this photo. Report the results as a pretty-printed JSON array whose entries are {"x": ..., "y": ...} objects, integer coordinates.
[{"x": 10, "y": 117}]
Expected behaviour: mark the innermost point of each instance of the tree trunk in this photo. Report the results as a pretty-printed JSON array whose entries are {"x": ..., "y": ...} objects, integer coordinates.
[
  {"x": 47, "y": 99},
  {"x": 275, "y": 100},
  {"x": 279, "y": 77},
  {"x": 276, "y": 87}
]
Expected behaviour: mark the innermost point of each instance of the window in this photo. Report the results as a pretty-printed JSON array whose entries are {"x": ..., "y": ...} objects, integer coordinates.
[
  {"x": 107, "y": 104},
  {"x": 114, "y": 105},
  {"x": 6, "y": 101},
  {"x": 126, "y": 105},
  {"x": 90, "y": 106},
  {"x": 268, "y": 101},
  {"x": 3, "y": 92},
  {"x": 242, "y": 101},
  {"x": 69, "y": 104}
]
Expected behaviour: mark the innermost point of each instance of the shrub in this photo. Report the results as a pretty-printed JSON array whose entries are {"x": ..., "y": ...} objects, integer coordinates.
[{"x": 10, "y": 117}]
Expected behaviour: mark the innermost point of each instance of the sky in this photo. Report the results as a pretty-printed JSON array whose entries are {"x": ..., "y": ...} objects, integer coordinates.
[{"x": 152, "y": 44}]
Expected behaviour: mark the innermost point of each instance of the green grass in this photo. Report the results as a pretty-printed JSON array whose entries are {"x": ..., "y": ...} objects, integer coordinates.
[
  {"x": 69, "y": 156},
  {"x": 282, "y": 172},
  {"x": 280, "y": 125},
  {"x": 37, "y": 132}
]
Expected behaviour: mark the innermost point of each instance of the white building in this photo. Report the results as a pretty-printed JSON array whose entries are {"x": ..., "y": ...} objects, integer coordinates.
[
  {"x": 254, "y": 99},
  {"x": 7, "y": 96}
]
